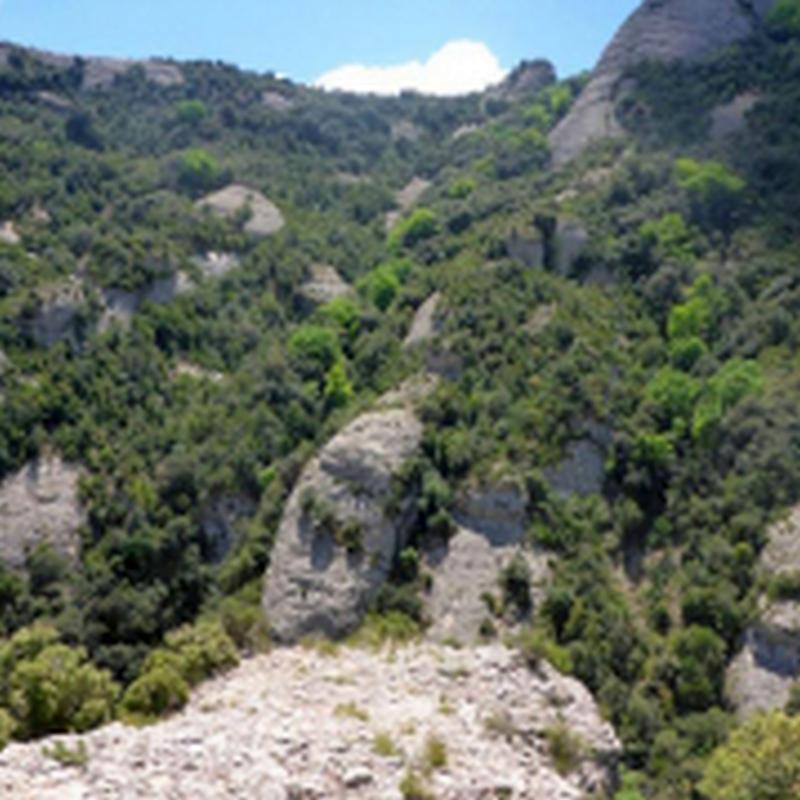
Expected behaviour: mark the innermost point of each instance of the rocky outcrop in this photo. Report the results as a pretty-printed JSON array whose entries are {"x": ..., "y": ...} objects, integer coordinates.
[
  {"x": 8, "y": 234},
  {"x": 39, "y": 506},
  {"x": 338, "y": 539},
  {"x": 55, "y": 317},
  {"x": 276, "y": 101},
  {"x": 582, "y": 470},
  {"x": 265, "y": 218},
  {"x": 405, "y": 130},
  {"x": 297, "y": 723},
  {"x": 731, "y": 117},
  {"x": 572, "y": 237},
  {"x": 324, "y": 284},
  {"x": 100, "y": 73},
  {"x": 119, "y": 305},
  {"x": 466, "y": 570},
  {"x": 406, "y": 198},
  {"x": 525, "y": 81},
  {"x": 761, "y": 676},
  {"x": 425, "y": 324},
  {"x": 659, "y": 30},
  {"x": 216, "y": 265}
]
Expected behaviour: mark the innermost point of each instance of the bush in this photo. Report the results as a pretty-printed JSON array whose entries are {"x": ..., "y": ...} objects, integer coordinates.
[
  {"x": 314, "y": 349},
  {"x": 158, "y": 691},
  {"x": 7, "y": 727},
  {"x": 715, "y": 192},
  {"x": 421, "y": 225},
  {"x": 58, "y": 691},
  {"x": 760, "y": 762},
  {"x": 565, "y": 747},
  {"x": 198, "y": 171},
  {"x": 784, "y": 18}
]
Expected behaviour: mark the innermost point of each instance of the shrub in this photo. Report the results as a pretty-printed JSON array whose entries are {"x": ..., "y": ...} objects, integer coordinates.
[
  {"x": 7, "y": 727},
  {"x": 760, "y": 762},
  {"x": 714, "y": 190},
  {"x": 383, "y": 745},
  {"x": 412, "y": 787},
  {"x": 565, "y": 747},
  {"x": 784, "y": 18},
  {"x": 434, "y": 754},
  {"x": 203, "y": 649},
  {"x": 338, "y": 390},
  {"x": 198, "y": 171},
  {"x": 158, "y": 691},
  {"x": 420, "y": 225},
  {"x": 515, "y": 581},
  {"x": 190, "y": 112},
  {"x": 314, "y": 349},
  {"x": 461, "y": 188},
  {"x": 67, "y": 756},
  {"x": 58, "y": 691}
]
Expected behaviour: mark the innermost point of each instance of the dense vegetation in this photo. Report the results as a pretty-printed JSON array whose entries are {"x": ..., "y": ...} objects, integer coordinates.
[{"x": 676, "y": 332}]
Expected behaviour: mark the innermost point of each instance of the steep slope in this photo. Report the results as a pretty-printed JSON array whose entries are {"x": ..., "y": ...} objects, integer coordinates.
[{"x": 659, "y": 30}]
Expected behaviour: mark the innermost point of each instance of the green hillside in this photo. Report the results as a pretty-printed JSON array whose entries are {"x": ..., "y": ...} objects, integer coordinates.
[{"x": 641, "y": 304}]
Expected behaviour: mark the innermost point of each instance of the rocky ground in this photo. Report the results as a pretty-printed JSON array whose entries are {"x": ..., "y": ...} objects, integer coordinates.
[{"x": 307, "y": 723}]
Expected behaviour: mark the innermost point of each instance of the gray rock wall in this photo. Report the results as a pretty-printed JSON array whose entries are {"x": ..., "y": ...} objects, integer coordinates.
[
  {"x": 659, "y": 30},
  {"x": 337, "y": 540}
]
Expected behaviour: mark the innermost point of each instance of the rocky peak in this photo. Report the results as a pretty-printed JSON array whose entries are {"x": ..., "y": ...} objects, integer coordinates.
[
  {"x": 525, "y": 80},
  {"x": 659, "y": 30}
]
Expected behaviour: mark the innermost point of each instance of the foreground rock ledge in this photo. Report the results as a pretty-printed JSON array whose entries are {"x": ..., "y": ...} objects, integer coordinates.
[{"x": 299, "y": 724}]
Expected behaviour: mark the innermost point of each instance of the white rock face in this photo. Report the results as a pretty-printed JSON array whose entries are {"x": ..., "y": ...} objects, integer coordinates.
[
  {"x": 120, "y": 305},
  {"x": 761, "y": 676},
  {"x": 659, "y": 30},
  {"x": 216, "y": 265},
  {"x": 425, "y": 324},
  {"x": 324, "y": 284},
  {"x": 265, "y": 220},
  {"x": 314, "y": 584},
  {"x": 8, "y": 233},
  {"x": 298, "y": 724},
  {"x": 39, "y": 505},
  {"x": 489, "y": 536}
]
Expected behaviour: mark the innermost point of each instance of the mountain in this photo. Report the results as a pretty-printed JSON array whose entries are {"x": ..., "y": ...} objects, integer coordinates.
[{"x": 508, "y": 380}]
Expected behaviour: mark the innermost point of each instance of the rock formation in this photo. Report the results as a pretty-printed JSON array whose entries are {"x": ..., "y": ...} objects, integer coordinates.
[
  {"x": 297, "y": 723},
  {"x": 337, "y": 540},
  {"x": 324, "y": 284},
  {"x": 525, "y": 81},
  {"x": 761, "y": 676},
  {"x": 56, "y": 316},
  {"x": 39, "y": 505},
  {"x": 659, "y": 30},
  {"x": 100, "y": 73},
  {"x": 265, "y": 218},
  {"x": 215, "y": 265},
  {"x": 582, "y": 470},
  {"x": 425, "y": 323},
  {"x": 119, "y": 305},
  {"x": 466, "y": 571},
  {"x": 8, "y": 233},
  {"x": 406, "y": 198}
]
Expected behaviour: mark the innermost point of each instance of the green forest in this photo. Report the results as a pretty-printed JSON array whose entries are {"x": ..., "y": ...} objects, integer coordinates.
[{"x": 675, "y": 330}]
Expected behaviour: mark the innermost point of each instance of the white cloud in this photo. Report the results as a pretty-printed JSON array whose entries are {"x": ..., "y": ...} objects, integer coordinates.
[{"x": 459, "y": 67}]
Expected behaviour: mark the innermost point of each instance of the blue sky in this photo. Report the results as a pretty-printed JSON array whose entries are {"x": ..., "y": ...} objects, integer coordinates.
[{"x": 305, "y": 38}]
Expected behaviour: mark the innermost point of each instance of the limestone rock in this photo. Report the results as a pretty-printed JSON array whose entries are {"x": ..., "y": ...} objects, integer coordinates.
[
  {"x": 277, "y": 102},
  {"x": 731, "y": 117},
  {"x": 265, "y": 220},
  {"x": 8, "y": 233},
  {"x": 120, "y": 305},
  {"x": 39, "y": 505},
  {"x": 405, "y": 129},
  {"x": 325, "y": 284},
  {"x": 425, "y": 324},
  {"x": 316, "y": 584},
  {"x": 215, "y": 265},
  {"x": 761, "y": 676},
  {"x": 582, "y": 470},
  {"x": 571, "y": 240},
  {"x": 56, "y": 316},
  {"x": 659, "y": 30},
  {"x": 273, "y": 729},
  {"x": 489, "y": 536},
  {"x": 525, "y": 81}
]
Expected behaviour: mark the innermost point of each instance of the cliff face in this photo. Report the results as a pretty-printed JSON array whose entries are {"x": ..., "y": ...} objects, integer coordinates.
[{"x": 659, "y": 30}]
